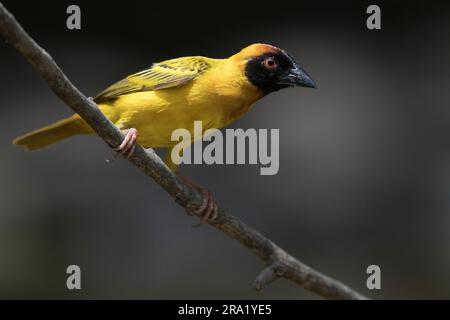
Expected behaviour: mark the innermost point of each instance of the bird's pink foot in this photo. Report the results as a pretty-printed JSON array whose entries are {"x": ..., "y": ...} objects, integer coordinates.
[
  {"x": 126, "y": 148},
  {"x": 208, "y": 210}
]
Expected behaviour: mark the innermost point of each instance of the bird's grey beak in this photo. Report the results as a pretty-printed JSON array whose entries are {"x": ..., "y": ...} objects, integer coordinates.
[{"x": 298, "y": 77}]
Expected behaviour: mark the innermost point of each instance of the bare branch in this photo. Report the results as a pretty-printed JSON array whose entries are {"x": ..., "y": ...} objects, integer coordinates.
[
  {"x": 279, "y": 262},
  {"x": 267, "y": 275}
]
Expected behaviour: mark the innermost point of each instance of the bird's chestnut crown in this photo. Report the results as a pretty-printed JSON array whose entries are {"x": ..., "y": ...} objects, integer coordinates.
[{"x": 270, "y": 69}]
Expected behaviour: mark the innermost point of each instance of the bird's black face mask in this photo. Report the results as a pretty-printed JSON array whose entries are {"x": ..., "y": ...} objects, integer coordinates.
[{"x": 274, "y": 71}]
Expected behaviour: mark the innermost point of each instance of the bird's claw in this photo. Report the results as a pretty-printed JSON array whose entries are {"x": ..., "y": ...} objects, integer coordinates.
[
  {"x": 208, "y": 210},
  {"x": 128, "y": 145}
]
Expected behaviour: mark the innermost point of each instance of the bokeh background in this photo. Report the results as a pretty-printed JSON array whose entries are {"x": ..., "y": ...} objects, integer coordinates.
[{"x": 364, "y": 160}]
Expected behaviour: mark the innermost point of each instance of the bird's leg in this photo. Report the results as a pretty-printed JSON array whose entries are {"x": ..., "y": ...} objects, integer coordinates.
[
  {"x": 126, "y": 148},
  {"x": 208, "y": 209}
]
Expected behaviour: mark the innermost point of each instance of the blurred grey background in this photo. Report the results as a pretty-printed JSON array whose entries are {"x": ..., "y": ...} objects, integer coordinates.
[{"x": 364, "y": 160}]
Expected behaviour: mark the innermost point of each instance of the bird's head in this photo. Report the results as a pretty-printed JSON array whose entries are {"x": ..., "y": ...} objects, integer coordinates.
[{"x": 270, "y": 68}]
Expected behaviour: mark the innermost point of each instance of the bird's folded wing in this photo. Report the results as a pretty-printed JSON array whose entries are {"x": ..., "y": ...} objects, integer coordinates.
[{"x": 162, "y": 75}]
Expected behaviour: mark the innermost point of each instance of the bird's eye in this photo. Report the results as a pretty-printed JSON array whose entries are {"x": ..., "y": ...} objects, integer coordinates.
[{"x": 270, "y": 63}]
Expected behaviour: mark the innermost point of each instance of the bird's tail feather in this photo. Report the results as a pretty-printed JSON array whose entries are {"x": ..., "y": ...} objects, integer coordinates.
[{"x": 53, "y": 133}]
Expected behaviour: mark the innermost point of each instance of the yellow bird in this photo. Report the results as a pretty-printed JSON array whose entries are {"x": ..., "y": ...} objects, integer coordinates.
[{"x": 149, "y": 105}]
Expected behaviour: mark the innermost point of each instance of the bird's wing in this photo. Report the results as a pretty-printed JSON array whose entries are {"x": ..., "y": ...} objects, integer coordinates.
[{"x": 162, "y": 75}]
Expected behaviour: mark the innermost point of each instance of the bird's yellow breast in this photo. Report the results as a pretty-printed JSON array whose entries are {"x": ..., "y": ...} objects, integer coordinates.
[{"x": 217, "y": 97}]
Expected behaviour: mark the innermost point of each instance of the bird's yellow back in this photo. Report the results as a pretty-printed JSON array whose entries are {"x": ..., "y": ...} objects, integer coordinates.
[{"x": 217, "y": 97}]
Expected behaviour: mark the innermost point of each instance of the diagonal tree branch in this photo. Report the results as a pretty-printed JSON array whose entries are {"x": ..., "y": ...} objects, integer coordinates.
[{"x": 278, "y": 262}]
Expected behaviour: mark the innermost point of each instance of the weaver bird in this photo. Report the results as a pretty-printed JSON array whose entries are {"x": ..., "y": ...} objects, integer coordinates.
[{"x": 149, "y": 105}]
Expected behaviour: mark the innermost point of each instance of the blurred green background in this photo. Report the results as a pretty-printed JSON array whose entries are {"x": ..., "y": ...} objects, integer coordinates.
[{"x": 364, "y": 160}]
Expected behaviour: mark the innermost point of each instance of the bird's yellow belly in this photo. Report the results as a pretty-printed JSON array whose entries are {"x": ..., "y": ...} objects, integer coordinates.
[{"x": 156, "y": 114}]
